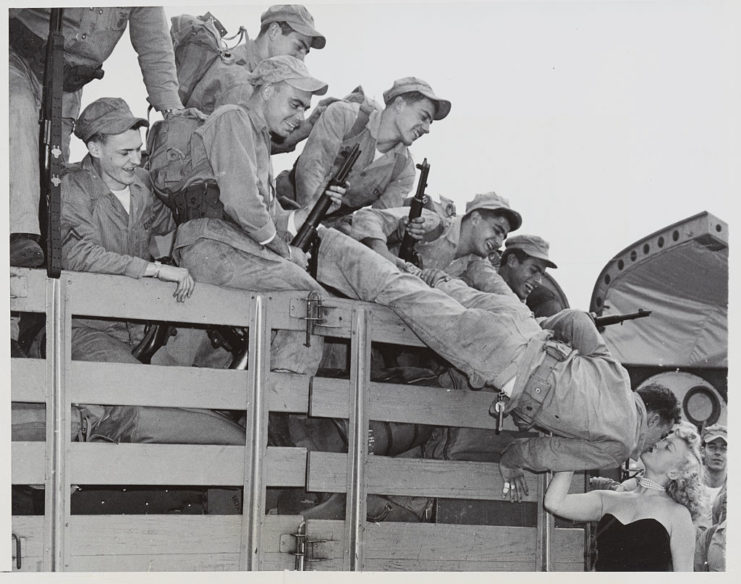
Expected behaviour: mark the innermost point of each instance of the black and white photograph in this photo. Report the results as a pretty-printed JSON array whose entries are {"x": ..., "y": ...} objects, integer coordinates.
[{"x": 421, "y": 287}]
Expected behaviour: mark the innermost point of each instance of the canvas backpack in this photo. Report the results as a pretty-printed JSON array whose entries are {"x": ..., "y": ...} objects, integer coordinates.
[
  {"x": 199, "y": 41},
  {"x": 170, "y": 160}
]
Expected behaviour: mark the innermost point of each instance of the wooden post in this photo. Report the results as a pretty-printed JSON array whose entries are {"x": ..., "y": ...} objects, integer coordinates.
[
  {"x": 357, "y": 449},
  {"x": 58, "y": 427},
  {"x": 253, "y": 508},
  {"x": 545, "y": 526}
]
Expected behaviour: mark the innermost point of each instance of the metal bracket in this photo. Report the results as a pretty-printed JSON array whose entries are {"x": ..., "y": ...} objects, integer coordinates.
[
  {"x": 303, "y": 548},
  {"x": 315, "y": 315},
  {"x": 18, "y": 561}
]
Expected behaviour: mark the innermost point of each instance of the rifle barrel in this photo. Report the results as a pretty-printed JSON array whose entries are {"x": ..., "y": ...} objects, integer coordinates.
[{"x": 602, "y": 321}]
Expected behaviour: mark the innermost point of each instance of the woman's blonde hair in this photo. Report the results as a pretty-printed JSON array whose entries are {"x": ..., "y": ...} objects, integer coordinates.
[{"x": 688, "y": 488}]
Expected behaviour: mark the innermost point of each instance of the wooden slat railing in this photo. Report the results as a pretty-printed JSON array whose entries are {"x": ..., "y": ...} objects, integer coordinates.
[{"x": 254, "y": 540}]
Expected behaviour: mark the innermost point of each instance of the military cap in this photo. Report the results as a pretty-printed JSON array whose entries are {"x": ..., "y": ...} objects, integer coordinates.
[
  {"x": 532, "y": 245},
  {"x": 495, "y": 202},
  {"x": 288, "y": 69},
  {"x": 715, "y": 432},
  {"x": 107, "y": 115},
  {"x": 298, "y": 18},
  {"x": 410, "y": 84}
]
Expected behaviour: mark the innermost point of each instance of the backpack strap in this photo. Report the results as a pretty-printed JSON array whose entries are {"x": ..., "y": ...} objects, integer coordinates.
[{"x": 366, "y": 109}]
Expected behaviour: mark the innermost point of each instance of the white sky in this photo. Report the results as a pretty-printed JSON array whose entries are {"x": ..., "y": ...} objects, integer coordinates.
[{"x": 600, "y": 121}]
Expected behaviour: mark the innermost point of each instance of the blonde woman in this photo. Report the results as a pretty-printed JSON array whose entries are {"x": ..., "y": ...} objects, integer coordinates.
[{"x": 649, "y": 528}]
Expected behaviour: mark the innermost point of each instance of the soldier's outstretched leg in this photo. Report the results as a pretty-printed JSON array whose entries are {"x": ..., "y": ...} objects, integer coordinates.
[{"x": 477, "y": 341}]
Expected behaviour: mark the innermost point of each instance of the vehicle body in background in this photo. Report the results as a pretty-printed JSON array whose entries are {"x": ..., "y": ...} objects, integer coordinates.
[{"x": 680, "y": 273}]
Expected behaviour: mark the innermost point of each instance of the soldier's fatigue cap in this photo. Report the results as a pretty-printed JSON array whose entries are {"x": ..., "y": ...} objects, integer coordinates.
[
  {"x": 410, "y": 84},
  {"x": 495, "y": 202},
  {"x": 715, "y": 432},
  {"x": 288, "y": 69},
  {"x": 298, "y": 18},
  {"x": 107, "y": 115},
  {"x": 532, "y": 245}
]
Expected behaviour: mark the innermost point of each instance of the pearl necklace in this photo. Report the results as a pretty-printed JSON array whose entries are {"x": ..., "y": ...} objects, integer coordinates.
[{"x": 649, "y": 484}]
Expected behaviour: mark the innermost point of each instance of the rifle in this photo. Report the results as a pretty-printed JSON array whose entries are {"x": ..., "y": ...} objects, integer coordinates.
[
  {"x": 603, "y": 321},
  {"x": 51, "y": 161},
  {"x": 306, "y": 233},
  {"x": 406, "y": 251}
]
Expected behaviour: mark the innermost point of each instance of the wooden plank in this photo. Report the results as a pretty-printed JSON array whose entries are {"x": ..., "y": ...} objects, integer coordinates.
[
  {"x": 408, "y": 403},
  {"x": 27, "y": 463},
  {"x": 429, "y": 541},
  {"x": 110, "y": 535},
  {"x": 27, "y": 380},
  {"x": 30, "y": 530},
  {"x": 176, "y": 464},
  {"x": 27, "y": 290},
  {"x": 187, "y": 387},
  {"x": 176, "y": 562},
  {"x": 149, "y": 299},
  {"x": 173, "y": 543},
  {"x": 100, "y": 535},
  {"x": 128, "y": 384},
  {"x": 413, "y": 477},
  {"x": 427, "y": 547},
  {"x": 567, "y": 547}
]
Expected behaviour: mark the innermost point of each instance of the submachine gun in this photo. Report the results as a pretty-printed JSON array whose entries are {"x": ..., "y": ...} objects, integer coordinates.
[
  {"x": 306, "y": 235},
  {"x": 234, "y": 339},
  {"x": 603, "y": 321},
  {"x": 406, "y": 251}
]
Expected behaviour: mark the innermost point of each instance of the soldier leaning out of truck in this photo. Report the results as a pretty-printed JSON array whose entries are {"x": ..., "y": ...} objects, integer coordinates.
[
  {"x": 557, "y": 375},
  {"x": 109, "y": 216}
]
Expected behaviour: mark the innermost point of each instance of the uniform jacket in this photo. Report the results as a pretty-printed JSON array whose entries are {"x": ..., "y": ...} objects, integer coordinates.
[
  {"x": 439, "y": 252},
  {"x": 236, "y": 143},
  {"x": 90, "y": 35},
  {"x": 97, "y": 233},
  {"x": 382, "y": 183},
  {"x": 598, "y": 420}
]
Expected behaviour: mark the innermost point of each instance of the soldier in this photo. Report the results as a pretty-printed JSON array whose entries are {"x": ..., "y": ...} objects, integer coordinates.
[
  {"x": 285, "y": 29},
  {"x": 90, "y": 35},
  {"x": 458, "y": 246},
  {"x": 524, "y": 262},
  {"x": 245, "y": 247},
  {"x": 560, "y": 377},
  {"x": 522, "y": 266},
  {"x": 715, "y": 460},
  {"x": 109, "y": 215},
  {"x": 384, "y": 172}
]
